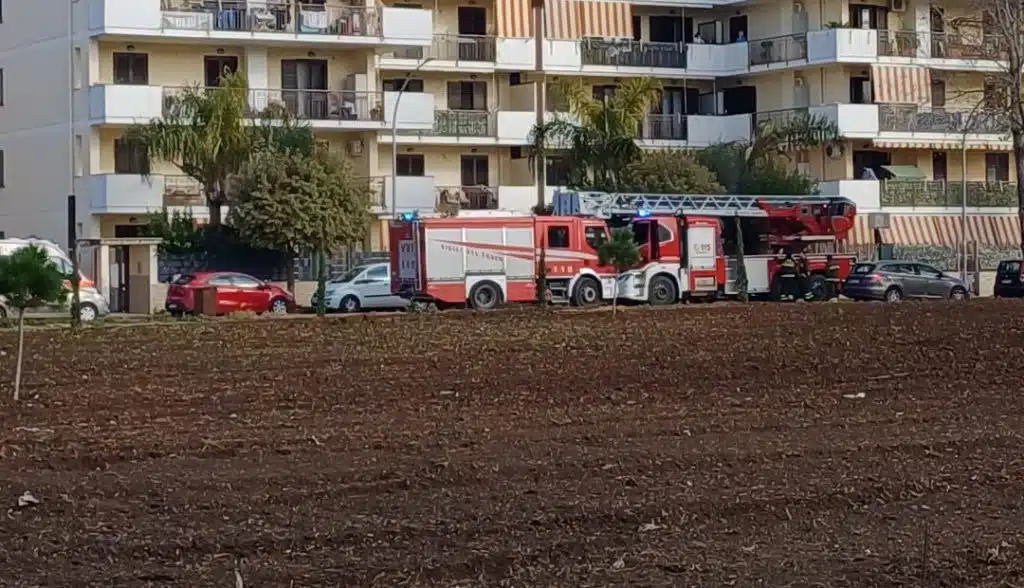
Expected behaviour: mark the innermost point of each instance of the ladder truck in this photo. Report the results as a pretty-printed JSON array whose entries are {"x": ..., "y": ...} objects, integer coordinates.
[{"x": 687, "y": 245}]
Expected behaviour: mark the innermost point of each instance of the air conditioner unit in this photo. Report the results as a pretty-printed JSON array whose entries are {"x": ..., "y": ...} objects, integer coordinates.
[
  {"x": 898, "y": 5},
  {"x": 834, "y": 151}
]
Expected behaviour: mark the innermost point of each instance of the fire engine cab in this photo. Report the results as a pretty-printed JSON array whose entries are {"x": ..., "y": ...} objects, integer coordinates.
[{"x": 688, "y": 246}]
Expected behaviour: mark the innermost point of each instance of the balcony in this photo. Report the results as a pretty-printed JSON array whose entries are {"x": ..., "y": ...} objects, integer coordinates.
[
  {"x": 457, "y": 125},
  {"x": 135, "y": 194},
  {"x": 122, "y": 104},
  {"x": 952, "y": 45},
  {"x": 946, "y": 193},
  {"x": 784, "y": 49},
  {"x": 842, "y": 45},
  {"x": 454, "y": 199},
  {"x": 664, "y": 127},
  {"x": 327, "y": 109},
  {"x": 901, "y": 118},
  {"x": 451, "y": 48},
  {"x": 629, "y": 53},
  {"x": 262, "y": 21}
]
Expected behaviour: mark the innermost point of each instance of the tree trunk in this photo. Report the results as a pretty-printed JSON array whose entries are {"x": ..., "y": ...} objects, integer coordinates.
[
  {"x": 1018, "y": 155},
  {"x": 615, "y": 294},
  {"x": 213, "y": 203},
  {"x": 21, "y": 352},
  {"x": 289, "y": 261},
  {"x": 542, "y": 275},
  {"x": 741, "y": 264},
  {"x": 321, "y": 284}
]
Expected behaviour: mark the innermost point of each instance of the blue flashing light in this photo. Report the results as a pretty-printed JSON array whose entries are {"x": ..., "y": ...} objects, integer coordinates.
[
  {"x": 643, "y": 213},
  {"x": 407, "y": 216}
]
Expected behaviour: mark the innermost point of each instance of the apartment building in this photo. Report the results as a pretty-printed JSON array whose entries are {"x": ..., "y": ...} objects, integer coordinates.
[{"x": 899, "y": 77}]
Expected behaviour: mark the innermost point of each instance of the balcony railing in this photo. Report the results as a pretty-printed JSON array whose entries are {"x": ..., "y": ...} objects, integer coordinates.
[
  {"x": 916, "y": 119},
  {"x": 183, "y": 191},
  {"x": 664, "y": 127},
  {"x": 460, "y": 123},
  {"x": 312, "y": 105},
  {"x": 777, "y": 118},
  {"x": 475, "y": 48},
  {"x": 778, "y": 49},
  {"x": 452, "y": 199},
  {"x": 630, "y": 53},
  {"x": 943, "y": 45},
  {"x": 272, "y": 17},
  {"x": 948, "y": 193}
]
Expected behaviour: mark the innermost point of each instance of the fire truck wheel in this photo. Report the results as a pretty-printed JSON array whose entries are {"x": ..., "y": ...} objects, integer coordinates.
[
  {"x": 662, "y": 291},
  {"x": 587, "y": 292},
  {"x": 484, "y": 296}
]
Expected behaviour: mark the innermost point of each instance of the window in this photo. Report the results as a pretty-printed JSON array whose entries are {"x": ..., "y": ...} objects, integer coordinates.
[
  {"x": 860, "y": 90},
  {"x": 1, "y": 86},
  {"x": 219, "y": 281},
  {"x": 63, "y": 266},
  {"x": 78, "y": 156},
  {"x": 131, "y": 68},
  {"x": 216, "y": 66},
  {"x": 604, "y": 93},
  {"x": 596, "y": 236},
  {"x": 411, "y": 165},
  {"x": 664, "y": 235},
  {"x": 130, "y": 158},
  {"x": 997, "y": 167},
  {"x": 558, "y": 237},
  {"x": 3, "y": 171},
  {"x": 378, "y": 273},
  {"x": 555, "y": 172},
  {"x": 940, "y": 168},
  {"x": 995, "y": 96},
  {"x": 938, "y": 93},
  {"x": 928, "y": 271},
  {"x": 414, "y": 85},
  {"x": 467, "y": 96},
  {"x": 245, "y": 282},
  {"x": 77, "y": 69}
]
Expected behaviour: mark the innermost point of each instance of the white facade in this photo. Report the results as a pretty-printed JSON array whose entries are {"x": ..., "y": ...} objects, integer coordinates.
[{"x": 463, "y": 124}]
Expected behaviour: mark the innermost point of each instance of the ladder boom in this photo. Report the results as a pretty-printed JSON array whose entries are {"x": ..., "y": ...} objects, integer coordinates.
[{"x": 604, "y": 205}]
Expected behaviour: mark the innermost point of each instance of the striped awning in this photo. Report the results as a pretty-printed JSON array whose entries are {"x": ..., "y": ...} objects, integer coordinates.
[
  {"x": 606, "y": 19},
  {"x": 566, "y": 19},
  {"x": 901, "y": 84},
  {"x": 942, "y": 230},
  {"x": 944, "y": 145}
]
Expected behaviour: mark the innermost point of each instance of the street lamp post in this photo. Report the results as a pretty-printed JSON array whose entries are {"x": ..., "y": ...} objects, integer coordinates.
[
  {"x": 394, "y": 136},
  {"x": 72, "y": 210},
  {"x": 967, "y": 123}
]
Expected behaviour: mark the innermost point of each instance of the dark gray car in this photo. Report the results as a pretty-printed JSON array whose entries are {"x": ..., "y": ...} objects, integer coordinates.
[{"x": 893, "y": 281}]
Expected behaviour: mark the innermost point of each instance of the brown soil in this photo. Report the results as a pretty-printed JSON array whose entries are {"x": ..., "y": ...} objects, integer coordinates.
[{"x": 710, "y": 446}]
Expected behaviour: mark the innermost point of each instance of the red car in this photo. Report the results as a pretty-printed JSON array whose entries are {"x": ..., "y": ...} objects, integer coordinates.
[{"x": 235, "y": 292}]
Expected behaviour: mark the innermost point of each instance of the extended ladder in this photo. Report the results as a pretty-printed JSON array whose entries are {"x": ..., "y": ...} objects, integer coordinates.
[{"x": 604, "y": 205}]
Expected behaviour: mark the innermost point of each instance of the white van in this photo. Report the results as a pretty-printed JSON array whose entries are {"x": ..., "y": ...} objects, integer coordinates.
[{"x": 93, "y": 304}]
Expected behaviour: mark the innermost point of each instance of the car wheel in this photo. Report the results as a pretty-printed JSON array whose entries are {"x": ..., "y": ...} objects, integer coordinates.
[
  {"x": 87, "y": 312},
  {"x": 958, "y": 293},
  {"x": 484, "y": 296},
  {"x": 662, "y": 292},
  {"x": 587, "y": 293},
  {"x": 349, "y": 304},
  {"x": 893, "y": 295},
  {"x": 279, "y": 306}
]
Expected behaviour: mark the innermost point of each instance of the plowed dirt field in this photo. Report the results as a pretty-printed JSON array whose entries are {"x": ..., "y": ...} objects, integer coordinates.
[{"x": 761, "y": 445}]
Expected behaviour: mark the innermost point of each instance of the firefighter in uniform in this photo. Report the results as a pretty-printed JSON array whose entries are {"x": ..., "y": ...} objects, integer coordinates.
[
  {"x": 787, "y": 273},
  {"x": 831, "y": 279},
  {"x": 804, "y": 273}
]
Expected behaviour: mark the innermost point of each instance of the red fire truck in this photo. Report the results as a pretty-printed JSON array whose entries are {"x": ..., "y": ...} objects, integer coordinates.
[{"x": 687, "y": 243}]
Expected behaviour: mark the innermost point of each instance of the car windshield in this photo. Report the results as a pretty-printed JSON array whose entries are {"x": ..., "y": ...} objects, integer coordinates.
[
  {"x": 863, "y": 268},
  {"x": 349, "y": 275}
]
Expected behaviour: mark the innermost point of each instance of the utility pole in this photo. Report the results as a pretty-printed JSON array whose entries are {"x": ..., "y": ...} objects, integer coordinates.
[
  {"x": 76, "y": 317},
  {"x": 540, "y": 95}
]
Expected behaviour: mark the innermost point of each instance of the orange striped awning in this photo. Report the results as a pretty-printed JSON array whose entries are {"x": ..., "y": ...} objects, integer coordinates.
[
  {"x": 942, "y": 230},
  {"x": 606, "y": 19},
  {"x": 901, "y": 84},
  {"x": 566, "y": 19}
]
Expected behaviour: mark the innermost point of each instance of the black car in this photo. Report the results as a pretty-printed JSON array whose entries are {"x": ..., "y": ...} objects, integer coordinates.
[{"x": 1009, "y": 282}]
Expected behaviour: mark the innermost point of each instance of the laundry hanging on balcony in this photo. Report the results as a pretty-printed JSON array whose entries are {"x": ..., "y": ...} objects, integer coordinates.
[
  {"x": 567, "y": 19},
  {"x": 901, "y": 84}
]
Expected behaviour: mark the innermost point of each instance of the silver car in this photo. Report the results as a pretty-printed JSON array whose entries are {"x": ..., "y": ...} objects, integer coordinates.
[
  {"x": 893, "y": 281},
  {"x": 362, "y": 287},
  {"x": 92, "y": 306}
]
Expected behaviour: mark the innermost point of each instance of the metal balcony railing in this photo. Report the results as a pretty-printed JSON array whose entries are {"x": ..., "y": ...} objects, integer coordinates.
[
  {"x": 664, "y": 127},
  {"x": 298, "y": 18},
  {"x": 779, "y": 117},
  {"x": 452, "y": 199},
  {"x": 781, "y": 49},
  {"x": 304, "y": 104},
  {"x": 183, "y": 190},
  {"x": 461, "y": 123},
  {"x": 446, "y": 47},
  {"x": 910, "y": 118},
  {"x": 630, "y": 53},
  {"x": 948, "y": 193},
  {"x": 950, "y": 45}
]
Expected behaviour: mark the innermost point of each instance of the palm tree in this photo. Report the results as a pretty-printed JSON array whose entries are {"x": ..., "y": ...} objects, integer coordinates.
[
  {"x": 599, "y": 136},
  {"x": 207, "y": 135}
]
